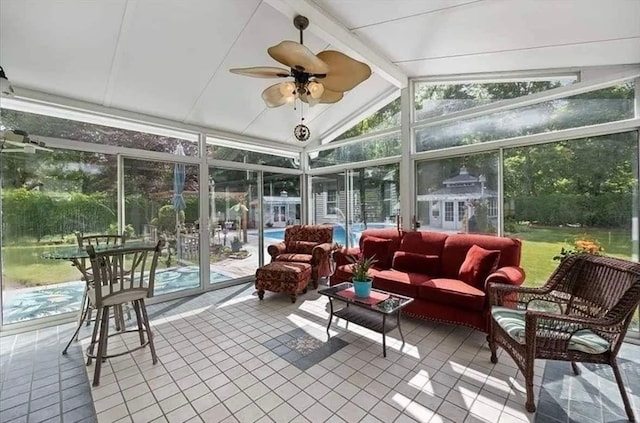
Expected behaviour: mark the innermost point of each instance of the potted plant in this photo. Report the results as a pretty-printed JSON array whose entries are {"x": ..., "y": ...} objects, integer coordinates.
[
  {"x": 361, "y": 280},
  {"x": 235, "y": 244}
]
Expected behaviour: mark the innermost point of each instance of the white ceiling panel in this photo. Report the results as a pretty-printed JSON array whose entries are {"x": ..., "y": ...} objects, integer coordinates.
[
  {"x": 167, "y": 54},
  {"x": 62, "y": 47},
  {"x": 504, "y": 26},
  {"x": 358, "y": 13},
  {"x": 232, "y": 102},
  {"x": 171, "y": 59},
  {"x": 589, "y": 54}
]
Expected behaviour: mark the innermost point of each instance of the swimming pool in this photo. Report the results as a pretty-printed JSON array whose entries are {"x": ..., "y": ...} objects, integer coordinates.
[{"x": 338, "y": 232}]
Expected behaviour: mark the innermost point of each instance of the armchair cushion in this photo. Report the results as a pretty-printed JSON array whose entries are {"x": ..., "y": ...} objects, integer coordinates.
[
  {"x": 379, "y": 249},
  {"x": 301, "y": 247},
  {"x": 478, "y": 264},
  {"x": 300, "y": 258},
  {"x": 416, "y": 263},
  {"x": 513, "y": 323}
]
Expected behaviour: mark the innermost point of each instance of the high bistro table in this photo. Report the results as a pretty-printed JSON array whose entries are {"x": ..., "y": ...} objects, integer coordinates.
[
  {"x": 379, "y": 312},
  {"x": 79, "y": 257}
]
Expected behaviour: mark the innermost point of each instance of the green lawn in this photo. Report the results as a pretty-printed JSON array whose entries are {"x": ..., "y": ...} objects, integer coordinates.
[
  {"x": 540, "y": 244},
  {"x": 24, "y": 266}
]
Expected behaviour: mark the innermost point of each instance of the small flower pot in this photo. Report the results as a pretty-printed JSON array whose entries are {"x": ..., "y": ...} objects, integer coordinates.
[{"x": 362, "y": 288}]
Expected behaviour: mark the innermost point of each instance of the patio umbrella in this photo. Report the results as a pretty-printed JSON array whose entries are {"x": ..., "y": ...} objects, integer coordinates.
[{"x": 178, "y": 199}]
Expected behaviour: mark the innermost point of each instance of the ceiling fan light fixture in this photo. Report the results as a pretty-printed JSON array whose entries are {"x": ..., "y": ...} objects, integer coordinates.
[
  {"x": 287, "y": 89},
  {"x": 316, "y": 90}
]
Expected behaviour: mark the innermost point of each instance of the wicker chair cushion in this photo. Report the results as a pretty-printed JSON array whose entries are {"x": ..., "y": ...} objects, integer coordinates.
[{"x": 513, "y": 322}]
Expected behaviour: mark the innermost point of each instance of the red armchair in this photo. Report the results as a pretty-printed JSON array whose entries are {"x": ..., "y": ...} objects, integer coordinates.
[{"x": 306, "y": 244}]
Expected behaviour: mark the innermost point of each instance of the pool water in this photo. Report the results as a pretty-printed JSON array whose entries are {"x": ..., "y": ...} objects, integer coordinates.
[{"x": 33, "y": 303}]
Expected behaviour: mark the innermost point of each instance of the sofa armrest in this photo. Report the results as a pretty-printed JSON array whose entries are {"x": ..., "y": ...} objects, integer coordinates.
[
  {"x": 275, "y": 250},
  {"x": 341, "y": 256},
  {"x": 510, "y": 275}
]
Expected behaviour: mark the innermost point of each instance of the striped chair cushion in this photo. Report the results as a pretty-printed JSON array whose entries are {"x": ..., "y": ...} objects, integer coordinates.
[{"x": 513, "y": 322}]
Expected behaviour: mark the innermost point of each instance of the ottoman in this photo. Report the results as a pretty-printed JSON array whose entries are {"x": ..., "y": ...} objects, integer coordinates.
[{"x": 286, "y": 277}]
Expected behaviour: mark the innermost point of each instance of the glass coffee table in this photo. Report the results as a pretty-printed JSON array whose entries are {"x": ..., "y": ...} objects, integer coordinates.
[{"x": 371, "y": 312}]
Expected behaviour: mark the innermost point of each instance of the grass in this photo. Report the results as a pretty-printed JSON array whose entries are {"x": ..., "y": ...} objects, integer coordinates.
[{"x": 541, "y": 244}]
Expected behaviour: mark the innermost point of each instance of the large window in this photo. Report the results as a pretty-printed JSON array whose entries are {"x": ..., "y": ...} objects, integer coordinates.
[
  {"x": 364, "y": 198},
  {"x": 570, "y": 194},
  {"x": 437, "y": 99},
  {"x": 385, "y": 118},
  {"x": 458, "y": 194},
  {"x": 219, "y": 152},
  {"x": 161, "y": 201},
  {"x": 386, "y": 145},
  {"x": 606, "y": 105},
  {"x": 331, "y": 204},
  {"x": 234, "y": 210},
  {"x": 48, "y": 197},
  {"x": 49, "y": 126}
]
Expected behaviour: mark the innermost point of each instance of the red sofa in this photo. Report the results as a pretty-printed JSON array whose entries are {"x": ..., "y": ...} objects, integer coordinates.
[{"x": 427, "y": 267}]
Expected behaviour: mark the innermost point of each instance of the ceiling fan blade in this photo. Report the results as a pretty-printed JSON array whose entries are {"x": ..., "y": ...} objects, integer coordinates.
[
  {"x": 297, "y": 56},
  {"x": 327, "y": 97},
  {"x": 344, "y": 72},
  {"x": 262, "y": 72},
  {"x": 273, "y": 97}
]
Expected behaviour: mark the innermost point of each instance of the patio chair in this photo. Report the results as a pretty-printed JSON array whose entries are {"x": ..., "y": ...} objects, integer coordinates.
[
  {"x": 121, "y": 276},
  {"x": 580, "y": 315},
  {"x": 306, "y": 244}
]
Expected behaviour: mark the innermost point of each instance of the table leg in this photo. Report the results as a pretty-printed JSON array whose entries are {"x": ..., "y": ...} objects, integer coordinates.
[
  {"x": 330, "y": 316},
  {"x": 83, "y": 315},
  {"x": 384, "y": 336},
  {"x": 400, "y": 328}
]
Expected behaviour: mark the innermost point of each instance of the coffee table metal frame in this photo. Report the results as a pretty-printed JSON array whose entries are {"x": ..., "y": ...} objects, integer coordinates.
[{"x": 370, "y": 316}]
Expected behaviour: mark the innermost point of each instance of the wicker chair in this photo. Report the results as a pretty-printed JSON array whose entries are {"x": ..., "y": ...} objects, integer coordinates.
[{"x": 580, "y": 315}]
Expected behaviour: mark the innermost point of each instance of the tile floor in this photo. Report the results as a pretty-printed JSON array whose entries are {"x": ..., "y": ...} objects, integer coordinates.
[
  {"x": 592, "y": 397},
  {"x": 219, "y": 361}
]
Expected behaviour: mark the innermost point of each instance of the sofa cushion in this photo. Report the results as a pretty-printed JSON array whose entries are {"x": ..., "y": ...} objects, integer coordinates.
[
  {"x": 429, "y": 243},
  {"x": 393, "y": 234},
  {"x": 513, "y": 322},
  {"x": 300, "y": 258},
  {"x": 478, "y": 264},
  {"x": 301, "y": 247},
  {"x": 457, "y": 245},
  {"x": 453, "y": 292},
  {"x": 417, "y": 263},
  {"x": 404, "y": 283},
  {"x": 378, "y": 248}
]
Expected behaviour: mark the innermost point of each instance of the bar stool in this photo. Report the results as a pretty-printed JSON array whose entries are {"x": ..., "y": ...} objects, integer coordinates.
[{"x": 120, "y": 276}]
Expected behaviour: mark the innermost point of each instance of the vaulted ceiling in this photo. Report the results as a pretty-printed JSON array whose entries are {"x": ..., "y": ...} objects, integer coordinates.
[{"x": 170, "y": 58}]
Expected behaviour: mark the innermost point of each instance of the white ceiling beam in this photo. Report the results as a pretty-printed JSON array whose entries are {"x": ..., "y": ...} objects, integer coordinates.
[{"x": 329, "y": 29}]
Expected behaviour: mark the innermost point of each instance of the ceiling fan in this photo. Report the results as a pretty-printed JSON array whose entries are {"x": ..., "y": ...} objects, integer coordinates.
[
  {"x": 18, "y": 141},
  {"x": 321, "y": 78}
]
